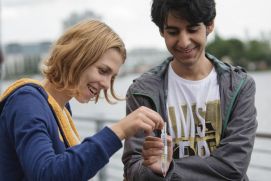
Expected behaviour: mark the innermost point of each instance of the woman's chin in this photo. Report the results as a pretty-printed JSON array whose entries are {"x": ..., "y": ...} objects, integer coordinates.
[{"x": 83, "y": 100}]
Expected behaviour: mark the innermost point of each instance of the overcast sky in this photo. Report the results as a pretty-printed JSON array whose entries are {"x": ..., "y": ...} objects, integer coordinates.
[{"x": 40, "y": 20}]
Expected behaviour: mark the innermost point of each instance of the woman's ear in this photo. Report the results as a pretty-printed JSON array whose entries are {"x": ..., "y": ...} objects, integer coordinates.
[{"x": 210, "y": 27}]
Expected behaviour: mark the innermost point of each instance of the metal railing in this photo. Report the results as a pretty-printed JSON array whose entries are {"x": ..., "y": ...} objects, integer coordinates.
[
  {"x": 86, "y": 127},
  {"x": 114, "y": 170}
]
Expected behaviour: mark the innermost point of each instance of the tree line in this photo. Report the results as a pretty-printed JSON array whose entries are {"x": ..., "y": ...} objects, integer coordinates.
[{"x": 250, "y": 54}]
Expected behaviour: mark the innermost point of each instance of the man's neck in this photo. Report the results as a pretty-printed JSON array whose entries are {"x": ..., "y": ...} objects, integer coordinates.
[{"x": 196, "y": 71}]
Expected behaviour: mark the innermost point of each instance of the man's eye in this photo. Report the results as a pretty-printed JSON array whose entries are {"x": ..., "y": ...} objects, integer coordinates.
[
  {"x": 172, "y": 33},
  {"x": 193, "y": 29}
]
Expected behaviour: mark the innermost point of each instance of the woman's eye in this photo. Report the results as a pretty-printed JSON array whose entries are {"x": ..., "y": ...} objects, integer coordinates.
[
  {"x": 102, "y": 71},
  {"x": 113, "y": 78}
]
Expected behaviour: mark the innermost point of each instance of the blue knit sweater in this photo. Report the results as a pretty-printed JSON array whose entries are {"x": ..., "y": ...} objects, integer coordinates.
[{"x": 30, "y": 147}]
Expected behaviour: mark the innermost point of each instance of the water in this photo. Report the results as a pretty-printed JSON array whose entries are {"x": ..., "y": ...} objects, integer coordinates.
[{"x": 263, "y": 100}]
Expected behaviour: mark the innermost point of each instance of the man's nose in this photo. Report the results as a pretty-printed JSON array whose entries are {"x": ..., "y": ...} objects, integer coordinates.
[{"x": 183, "y": 40}]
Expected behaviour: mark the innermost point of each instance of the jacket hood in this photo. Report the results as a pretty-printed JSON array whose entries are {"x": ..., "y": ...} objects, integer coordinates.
[{"x": 149, "y": 81}]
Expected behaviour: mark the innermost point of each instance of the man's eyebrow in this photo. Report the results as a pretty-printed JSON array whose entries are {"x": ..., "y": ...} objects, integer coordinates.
[
  {"x": 175, "y": 28},
  {"x": 171, "y": 27},
  {"x": 193, "y": 25}
]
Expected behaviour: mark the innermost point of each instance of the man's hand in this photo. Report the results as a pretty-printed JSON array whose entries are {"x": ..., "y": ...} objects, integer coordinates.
[{"x": 152, "y": 153}]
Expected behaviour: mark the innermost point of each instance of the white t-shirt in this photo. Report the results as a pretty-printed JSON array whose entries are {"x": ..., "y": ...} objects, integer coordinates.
[{"x": 194, "y": 114}]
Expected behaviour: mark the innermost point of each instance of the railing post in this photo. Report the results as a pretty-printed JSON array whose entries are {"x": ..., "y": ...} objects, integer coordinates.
[{"x": 102, "y": 172}]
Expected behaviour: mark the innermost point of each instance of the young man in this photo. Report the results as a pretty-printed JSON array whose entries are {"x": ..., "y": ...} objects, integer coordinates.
[{"x": 208, "y": 105}]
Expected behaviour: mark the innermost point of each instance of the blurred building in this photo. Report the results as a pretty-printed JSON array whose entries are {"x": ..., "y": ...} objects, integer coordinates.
[
  {"x": 76, "y": 17},
  {"x": 24, "y": 59},
  {"x": 142, "y": 59}
]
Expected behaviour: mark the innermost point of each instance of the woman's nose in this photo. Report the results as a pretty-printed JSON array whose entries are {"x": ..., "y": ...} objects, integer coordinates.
[{"x": 105, "y": 83}]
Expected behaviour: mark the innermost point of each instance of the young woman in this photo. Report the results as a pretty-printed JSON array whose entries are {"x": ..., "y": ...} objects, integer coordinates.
[{"x": 37, "y": 135}]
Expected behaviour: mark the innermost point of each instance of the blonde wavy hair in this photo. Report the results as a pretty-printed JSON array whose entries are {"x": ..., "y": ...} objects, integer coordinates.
[{"x": 77, "y": 49}]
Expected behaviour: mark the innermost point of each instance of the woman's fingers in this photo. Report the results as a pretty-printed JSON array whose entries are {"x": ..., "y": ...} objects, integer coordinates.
[
  {"x": 146, "y": 127},
  {"x": 152, "y": 116},
  {"x": 141, "y": 119}
]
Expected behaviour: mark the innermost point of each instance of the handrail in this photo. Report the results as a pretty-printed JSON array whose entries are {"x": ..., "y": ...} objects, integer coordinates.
[
  {"x": 95, "y": 119},
  {"x": 263, "y": 135}
]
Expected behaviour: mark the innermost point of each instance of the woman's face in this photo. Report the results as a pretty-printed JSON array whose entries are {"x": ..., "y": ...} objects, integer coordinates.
[{"x": 98, "y": 76}]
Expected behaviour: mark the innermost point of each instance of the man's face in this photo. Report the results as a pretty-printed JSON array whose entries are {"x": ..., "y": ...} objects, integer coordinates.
[{"x": 185, "y": 41}]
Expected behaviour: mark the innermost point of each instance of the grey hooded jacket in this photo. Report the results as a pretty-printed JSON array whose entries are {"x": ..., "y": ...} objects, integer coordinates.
[{"x": 231, "y": 158}]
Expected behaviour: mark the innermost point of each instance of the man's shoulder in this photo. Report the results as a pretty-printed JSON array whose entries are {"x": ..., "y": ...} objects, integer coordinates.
[
  {"x": 224, "y": 67},
  {"x": 153, "y": 78}
]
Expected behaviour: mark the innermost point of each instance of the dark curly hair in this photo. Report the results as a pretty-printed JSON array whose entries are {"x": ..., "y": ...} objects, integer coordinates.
[{"x": 194, "y": 11}]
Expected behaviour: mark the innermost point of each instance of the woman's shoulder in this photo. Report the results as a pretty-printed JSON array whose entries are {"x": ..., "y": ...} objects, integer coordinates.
[
  {"x": 29, "y": 98},
  {"x": 28, "y": 92}
]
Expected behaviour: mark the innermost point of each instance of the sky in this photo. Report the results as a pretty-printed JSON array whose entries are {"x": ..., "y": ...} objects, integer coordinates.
[{"x": 26, "y": 21}]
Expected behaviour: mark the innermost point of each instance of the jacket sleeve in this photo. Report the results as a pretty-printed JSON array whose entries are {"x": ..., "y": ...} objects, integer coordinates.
[
  {"x": 30, "y": 132},
  {"x": 131, "y": 158},
  {"x": 228, "y": 162}
]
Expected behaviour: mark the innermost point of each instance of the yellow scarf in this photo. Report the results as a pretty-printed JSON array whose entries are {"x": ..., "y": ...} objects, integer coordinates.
[{"x": 67, "y": 127}]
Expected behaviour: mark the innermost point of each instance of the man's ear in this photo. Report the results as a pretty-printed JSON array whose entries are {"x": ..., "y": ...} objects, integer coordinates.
[
  {"x": 210, "y": 27},
  {"x": 161, "y": 33}
]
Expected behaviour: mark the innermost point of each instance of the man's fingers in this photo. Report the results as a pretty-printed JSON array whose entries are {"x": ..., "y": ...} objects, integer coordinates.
[
  {"x": 153, "y": 138},
  {"x": 152, "y": 142},
  {"x": 150, "y": 161},
  {"x": 151, "y": 152},
  {"x": 169, "y": 141}
]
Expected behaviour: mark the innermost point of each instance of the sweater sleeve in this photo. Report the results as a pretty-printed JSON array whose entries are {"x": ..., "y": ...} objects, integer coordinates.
[
  {"x": 228, "y": 162},
  {"x": 29, "y": 127}
]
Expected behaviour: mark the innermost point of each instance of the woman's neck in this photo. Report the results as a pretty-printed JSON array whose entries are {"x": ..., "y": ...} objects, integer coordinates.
[{"x": 61, "y": 97}]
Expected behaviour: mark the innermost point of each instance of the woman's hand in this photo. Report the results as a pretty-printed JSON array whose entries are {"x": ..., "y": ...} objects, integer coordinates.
[
  {"x": 142, "y": 118},
  {"x": 152, "y": 153}
]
